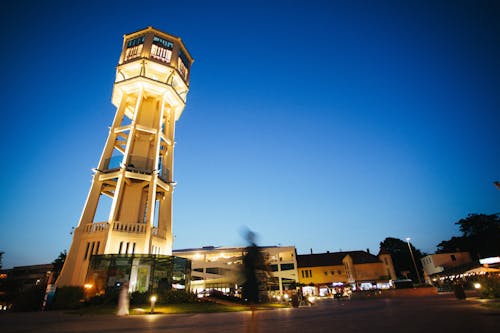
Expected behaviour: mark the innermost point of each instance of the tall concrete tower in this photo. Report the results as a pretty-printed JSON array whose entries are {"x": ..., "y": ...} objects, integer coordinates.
[{"x": 134, "y": 178}]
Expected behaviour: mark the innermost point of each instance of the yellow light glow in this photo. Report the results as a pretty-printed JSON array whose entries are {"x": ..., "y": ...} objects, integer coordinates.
[
  {"x": 88, "y": 285},
  {"x": 153, "y": 298},
  {"x": 477, "y": 285}
]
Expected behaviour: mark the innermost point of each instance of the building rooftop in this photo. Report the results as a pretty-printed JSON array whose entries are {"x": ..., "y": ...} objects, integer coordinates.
[{"x": 335, "y": 258}]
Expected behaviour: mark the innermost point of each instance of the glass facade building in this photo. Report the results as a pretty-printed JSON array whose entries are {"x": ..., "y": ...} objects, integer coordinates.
[{"x": 142, "y": 272}]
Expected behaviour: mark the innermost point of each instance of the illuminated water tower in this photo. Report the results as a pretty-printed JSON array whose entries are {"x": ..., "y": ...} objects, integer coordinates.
[{"x": 134, "y": 178}]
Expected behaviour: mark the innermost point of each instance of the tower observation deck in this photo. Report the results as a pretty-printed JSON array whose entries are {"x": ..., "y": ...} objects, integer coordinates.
[{"x": 135, "y": 172}]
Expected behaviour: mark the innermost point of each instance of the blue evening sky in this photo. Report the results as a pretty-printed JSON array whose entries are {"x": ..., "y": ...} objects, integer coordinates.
[{"x": 321, "y": 124}]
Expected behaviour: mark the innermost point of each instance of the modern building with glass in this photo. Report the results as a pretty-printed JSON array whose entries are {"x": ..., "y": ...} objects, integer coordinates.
[
  {"x": 219, "y": 268},
  {"x": 142, "y": 272}
]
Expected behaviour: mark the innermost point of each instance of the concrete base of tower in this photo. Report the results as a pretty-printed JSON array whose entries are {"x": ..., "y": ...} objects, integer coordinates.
[{"x": 142, "y": 273}]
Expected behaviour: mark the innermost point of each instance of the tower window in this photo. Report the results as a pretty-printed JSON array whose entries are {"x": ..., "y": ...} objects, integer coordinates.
[
  {"x": 120, "y": 248},
  {"x": 134, "y": 48},
  {"x": 183, "y": 65},
  {"x": 136, "y": 41},
  {"x": 163, "y": 43},
  {"x": 162, "y": 49},
  {"x": 86, "y": 251}
]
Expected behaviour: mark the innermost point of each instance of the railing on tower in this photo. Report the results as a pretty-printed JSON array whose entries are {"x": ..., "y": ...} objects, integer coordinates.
[
  {"x": 112, "y": 164},
  {"x": 136, "y": 164},
  {"x": 138, "y": 228},
  {"x": 159, "y": 233},
  {"x": 140, "y": 164},
  {"x": 96, "y": 227}
]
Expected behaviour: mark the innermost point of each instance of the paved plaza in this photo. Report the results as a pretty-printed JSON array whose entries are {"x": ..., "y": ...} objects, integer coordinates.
[{"x": 441, "y": 313}]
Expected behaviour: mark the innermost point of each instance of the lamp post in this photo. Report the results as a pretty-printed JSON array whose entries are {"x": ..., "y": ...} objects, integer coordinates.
[{"x": 413, "y": 259}]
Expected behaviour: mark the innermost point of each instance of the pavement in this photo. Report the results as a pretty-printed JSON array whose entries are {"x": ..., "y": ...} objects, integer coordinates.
[{"x": 439, "y": 313}]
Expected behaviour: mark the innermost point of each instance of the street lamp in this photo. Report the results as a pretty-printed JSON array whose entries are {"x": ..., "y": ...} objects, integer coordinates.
[{"x": 413, "y": 259}]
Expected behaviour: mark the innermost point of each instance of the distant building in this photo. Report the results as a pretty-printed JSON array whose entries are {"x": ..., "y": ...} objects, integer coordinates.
[
  {"x": 443, "y": 263},
  {"x": 359, "y": 269},
  {"x": 218, "y": 268},
  {"x": 26, "y": 277}
]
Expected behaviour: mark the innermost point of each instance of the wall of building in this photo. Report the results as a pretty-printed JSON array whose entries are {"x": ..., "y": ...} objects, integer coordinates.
[
  {"x": 322, "y": 275},
  {"x": 436, "y": 263}
]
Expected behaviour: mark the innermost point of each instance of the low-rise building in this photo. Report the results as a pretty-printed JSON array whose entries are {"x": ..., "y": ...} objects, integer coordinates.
[
  {"x": 359, "y": 269},
  {"x": 218, "y": 268},
  {"x": 440, "y": 263}
]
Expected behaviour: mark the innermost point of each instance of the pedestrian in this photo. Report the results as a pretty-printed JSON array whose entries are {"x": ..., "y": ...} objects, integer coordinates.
[{"x": 123, "y": 301}]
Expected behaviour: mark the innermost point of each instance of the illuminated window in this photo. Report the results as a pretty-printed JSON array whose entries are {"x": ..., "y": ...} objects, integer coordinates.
[
  {"x": 183, "y": 65},
  {"x": 162, "y": 49},
  {"x": 134, "y": 48}
]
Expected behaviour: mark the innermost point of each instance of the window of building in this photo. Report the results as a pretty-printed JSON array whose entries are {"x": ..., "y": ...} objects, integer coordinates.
[
  {"x": 134, "y": 48},
  {"x": 198, "y": 270},
  {"x": 332, "y": 272},
  {"x": 183, "y": 65},
  {"x": 97, "y": 247},
  {"x": 287, "y": 267},
  {"x": 135, "y": 42},
  {"x": 86, "y": 251},
  {"x": 120, "y": 248},
  {"x": 274, "y": 268},
  {"x": 162, "y": 49}
]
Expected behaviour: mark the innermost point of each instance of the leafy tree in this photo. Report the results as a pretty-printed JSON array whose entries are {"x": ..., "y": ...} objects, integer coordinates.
[
  {"x": 480, "y": 236},
  {"x": 58, "y": 263},
  {"x": 401, "y": 257}
]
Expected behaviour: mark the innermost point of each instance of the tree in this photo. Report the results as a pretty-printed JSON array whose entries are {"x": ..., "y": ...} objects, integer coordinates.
[
  {"x": 401, "y": 257},
  {"x": 480, "y": 236},
  {"x": 58, "y": 263}
]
